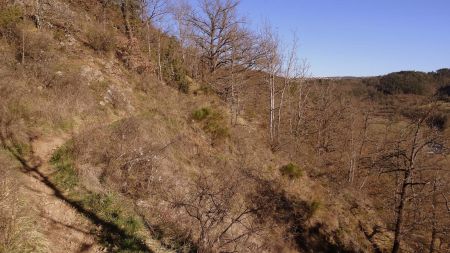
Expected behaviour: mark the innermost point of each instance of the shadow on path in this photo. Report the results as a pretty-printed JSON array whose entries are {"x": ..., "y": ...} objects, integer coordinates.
[{"x": 110, "y": 234}]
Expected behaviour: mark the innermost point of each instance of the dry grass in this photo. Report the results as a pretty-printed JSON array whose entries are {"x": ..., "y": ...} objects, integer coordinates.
[
  {"x": 18, "y": 231},
  {"x": 159, "y": 150},
  {"x": 101, "y": 39}
]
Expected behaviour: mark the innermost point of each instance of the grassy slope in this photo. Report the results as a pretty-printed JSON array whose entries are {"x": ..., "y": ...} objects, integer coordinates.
[{"x": 98, "y": 89}]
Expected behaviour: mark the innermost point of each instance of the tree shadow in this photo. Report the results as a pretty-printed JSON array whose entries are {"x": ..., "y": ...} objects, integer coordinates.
[
  {"x": 84, "y": 248},
  {"x": 370, "y": 237},
  {"x": 50, "y": 219},
  {"x": 110, "y": 234},
  {"x": 294, "y": 214}
]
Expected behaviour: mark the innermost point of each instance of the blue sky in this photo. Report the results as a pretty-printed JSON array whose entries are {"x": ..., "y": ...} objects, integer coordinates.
[{"x": 361, "y": 37}]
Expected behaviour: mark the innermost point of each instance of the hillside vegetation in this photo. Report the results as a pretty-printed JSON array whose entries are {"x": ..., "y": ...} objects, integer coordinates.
[{"x": 120, "y": 136}]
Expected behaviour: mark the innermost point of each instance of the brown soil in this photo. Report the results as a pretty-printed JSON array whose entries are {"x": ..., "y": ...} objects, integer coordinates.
[{"x": 64, "y": 228}]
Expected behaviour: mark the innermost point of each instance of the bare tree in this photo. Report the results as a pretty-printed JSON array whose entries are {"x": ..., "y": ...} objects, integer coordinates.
[
  {"x": 213, "y": 29},
  {"x": 153, "y": 10},
  {"x": 358, "y": 140},
  {"x": 285, "y": 74},
  {"x": 406, "y": 159},
  {"x": 180, "y": 12},
  {"x": 245, "y": 54},
  {"x": 301, "y": 100},
  {"x": 293, "y": 72},
  {"x": 271, "y": 65},
  {"x": 221, "y": 219},
  {"x": 438, "y": 220}
]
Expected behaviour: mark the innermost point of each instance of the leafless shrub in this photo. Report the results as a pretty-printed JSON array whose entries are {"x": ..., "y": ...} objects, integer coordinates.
[
  {"x": 218, "y": 213},
  {"x": 126, "y": 160},
  {"x": 37, "y": 44}
]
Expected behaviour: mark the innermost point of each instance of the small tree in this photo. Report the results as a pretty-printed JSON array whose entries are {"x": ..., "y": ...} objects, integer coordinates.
[{"x": 407, "y": 160}]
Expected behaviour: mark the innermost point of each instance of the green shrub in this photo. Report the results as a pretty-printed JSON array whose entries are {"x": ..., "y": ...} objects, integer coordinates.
[
  {"x": 216, "y": 126},
  {"x": 109, "y": 209},
  {"x": 201, "y": 113},
  {"x": 213, "y": 122},
  {"x": 314, "y": 206},
  {"x": 105, "y": 206},
  {"x": 65, "y": 176},
  {"x": 101, "y": 40},
  {"x": 10, "y": 21},
  {"x": 205, "y": 89},
  {"x": 22, "y": 149},
  {"x": 10, "y": 16},
  {"x": 183, "y": 83},
  {"x": 291, "y": 170}
]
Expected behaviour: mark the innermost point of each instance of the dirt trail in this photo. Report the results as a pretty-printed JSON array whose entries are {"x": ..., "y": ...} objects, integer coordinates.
[{"x": 65, "y": 229}]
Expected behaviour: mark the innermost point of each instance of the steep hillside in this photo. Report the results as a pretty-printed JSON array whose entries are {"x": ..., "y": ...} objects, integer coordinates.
[{"x": 116, "y": 149}]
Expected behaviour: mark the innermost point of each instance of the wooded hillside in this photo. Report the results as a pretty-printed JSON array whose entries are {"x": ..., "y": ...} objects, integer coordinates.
[{"x": 160, "y": 126}]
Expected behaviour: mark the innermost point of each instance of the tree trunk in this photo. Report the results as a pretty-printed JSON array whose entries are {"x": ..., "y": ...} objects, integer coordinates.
[
  {"x": 232, "y": 102},
  {"x": 302, "y": 97},
  {"x": 433, "y": 218},
  {"x": 159, "y": 58},
  {"x": 272, "y": 107},
  {"x": 351, "y": 170},
  {"x": 126, "y": 17},
  {"x": 280, "y": 109},
  {"x": 400, "y": 212},
  {"x": 149, "y": 45},
  {"x": 433, "y": 238}
]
